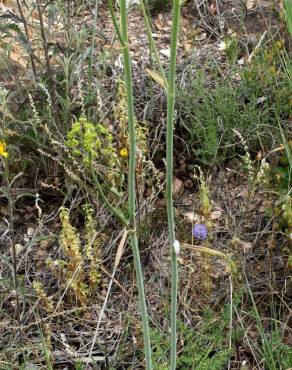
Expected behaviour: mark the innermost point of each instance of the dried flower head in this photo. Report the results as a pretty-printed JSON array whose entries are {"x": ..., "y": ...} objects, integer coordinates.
[{"x": 200, "y": 231}]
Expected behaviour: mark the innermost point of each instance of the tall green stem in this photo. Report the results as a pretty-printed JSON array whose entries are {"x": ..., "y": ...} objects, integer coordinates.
[
  {"x": 169, "y": 176},
  {"x": 123, "y": 35},
  {"x": 152, "y": 42},
  {"x": 93, "y": 44}
]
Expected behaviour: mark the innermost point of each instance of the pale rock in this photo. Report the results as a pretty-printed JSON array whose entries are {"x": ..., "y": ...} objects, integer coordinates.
[{"x": 178, "y": 187}]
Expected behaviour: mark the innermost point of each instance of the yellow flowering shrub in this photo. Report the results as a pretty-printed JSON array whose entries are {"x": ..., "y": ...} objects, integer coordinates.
[
  {"x": 93, "y": 143},
  {"x": 41, "y": 294},
  {"x": 79, "y": 266},
  {"x": 92, "y": 249}
]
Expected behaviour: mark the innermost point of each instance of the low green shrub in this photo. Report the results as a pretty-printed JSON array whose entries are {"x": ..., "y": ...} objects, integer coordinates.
[
  {"x": 249, "y": 98},
  {"x": 204, "y": 347},
  {"x": 156, "y": 6}
]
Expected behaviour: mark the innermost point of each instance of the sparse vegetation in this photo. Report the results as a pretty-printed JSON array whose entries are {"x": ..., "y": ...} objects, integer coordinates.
[{"x": 145, "y": 185}]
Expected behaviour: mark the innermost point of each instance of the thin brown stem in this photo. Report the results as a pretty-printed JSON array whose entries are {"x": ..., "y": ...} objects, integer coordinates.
[
  {"x": 31, "y": 56},
  {"x": 52, "y": 87}
]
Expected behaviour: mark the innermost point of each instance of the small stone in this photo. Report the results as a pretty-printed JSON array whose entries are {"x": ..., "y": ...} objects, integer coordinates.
[
  {"x": 165, "y": 52},
  {"x": 30, "y": 231},
  {"x": 215, "y": 214},
  {"x": 178, "y": 187}
]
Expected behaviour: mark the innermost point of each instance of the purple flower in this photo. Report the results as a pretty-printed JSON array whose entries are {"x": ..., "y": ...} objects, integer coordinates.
[{"x": 200, "y": 231}]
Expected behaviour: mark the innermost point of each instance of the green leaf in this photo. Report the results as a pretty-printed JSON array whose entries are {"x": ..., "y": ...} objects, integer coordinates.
[
  {"x": 282, "y": 172},
  {"x": 115, "y": 191}
]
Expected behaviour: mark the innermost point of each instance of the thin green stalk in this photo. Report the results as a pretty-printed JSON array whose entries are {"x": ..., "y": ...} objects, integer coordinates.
[
  {"x": 45, "y": 346},
  {"x": 93, "y": 43},
  {"x": 288, "y": 12},
  {"x": 116, "y": 212},
  {"x": 115, "y": 23},
  {"x": 169, "y": 177},
  {"x": 267, "y": 350},
  {"x": 287, "y": 150},
  {"x": 152, "y": 42},
  {"x": 12, "y": 243},
  {"x": 123, "y": 35},
  {"x": 3, "y": 102}
]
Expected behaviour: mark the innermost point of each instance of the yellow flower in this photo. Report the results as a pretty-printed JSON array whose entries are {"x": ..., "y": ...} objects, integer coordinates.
[
  {"x": 124, "y": 153},
  {"x": 3, "y": 152}
]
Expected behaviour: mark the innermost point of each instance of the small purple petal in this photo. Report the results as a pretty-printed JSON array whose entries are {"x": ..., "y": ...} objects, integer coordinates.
[{"x": 200, "y": 231}]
